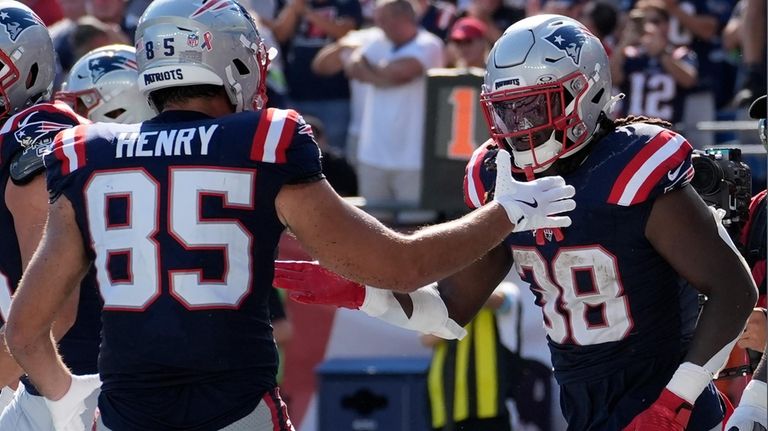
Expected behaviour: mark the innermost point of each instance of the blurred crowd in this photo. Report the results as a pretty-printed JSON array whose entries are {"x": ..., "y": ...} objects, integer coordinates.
[{"x": 358, "y": 67}]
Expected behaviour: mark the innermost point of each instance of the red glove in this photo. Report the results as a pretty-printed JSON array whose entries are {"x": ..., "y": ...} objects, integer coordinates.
[
  {"x": 310, "y": 283},
  {"x": 668, "y": 413}
]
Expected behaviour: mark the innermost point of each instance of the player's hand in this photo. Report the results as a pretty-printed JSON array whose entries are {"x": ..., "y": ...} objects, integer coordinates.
[
  {"x": 754, "y": 334},
  {"x": 751, "y": 414},
  {"x": 66, "y": 411},
  {"x": 310, "y": 283},
  {"x": 532, "y": 205},
  {"x": 668, "y": 413}
]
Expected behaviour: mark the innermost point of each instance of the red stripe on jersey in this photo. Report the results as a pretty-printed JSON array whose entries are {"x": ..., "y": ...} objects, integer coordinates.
[
  {"x": 80, "y": 146},
  {"x": 272, "y": 410},
  {"x": 289, "y": 128},
  {"x": 634, "y": 165},
  {"x": 675, "y": 160},
  {"x": 260, "y": 136},
  {"x": 69, "y": 148},
  {"x": 473, "y": 175},
  {"x": 58, "y": 151}
]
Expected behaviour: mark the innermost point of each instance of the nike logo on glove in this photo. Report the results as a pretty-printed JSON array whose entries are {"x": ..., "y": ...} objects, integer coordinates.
[{"x": 532, "y": 205}]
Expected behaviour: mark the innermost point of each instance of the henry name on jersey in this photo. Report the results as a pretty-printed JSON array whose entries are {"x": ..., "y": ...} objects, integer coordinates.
[{"x": 173, "y": 142}]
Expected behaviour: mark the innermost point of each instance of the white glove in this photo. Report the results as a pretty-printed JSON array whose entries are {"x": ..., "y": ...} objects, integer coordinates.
[
  {"x": 430, "y": 316},
  {"x": 751, "y": 414},
  {"x": 65, "y": 412},
  {"x": 532, "y": 205}
]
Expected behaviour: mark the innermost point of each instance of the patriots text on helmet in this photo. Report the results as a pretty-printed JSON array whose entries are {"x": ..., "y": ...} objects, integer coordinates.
[
  {"x": 168, "y": 75},
  {"x": 174, "y": 142}
]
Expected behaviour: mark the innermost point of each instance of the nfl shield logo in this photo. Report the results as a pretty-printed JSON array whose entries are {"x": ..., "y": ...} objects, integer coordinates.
[{"x": 193, "y": 40}]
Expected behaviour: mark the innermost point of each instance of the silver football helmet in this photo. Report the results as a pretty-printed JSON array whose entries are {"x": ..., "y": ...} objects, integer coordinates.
[
  {"x": 26, "y": 58},
  {"x": 102, "y": 86},
  {"x": 195, "y": 42},
  {"x": 547, "y": 80}
]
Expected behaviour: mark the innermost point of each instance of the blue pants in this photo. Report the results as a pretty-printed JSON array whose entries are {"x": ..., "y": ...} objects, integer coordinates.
[{"x": 610, "y": 404}]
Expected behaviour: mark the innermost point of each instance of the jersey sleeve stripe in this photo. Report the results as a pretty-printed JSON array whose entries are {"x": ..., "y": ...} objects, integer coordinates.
[
  {"x": 257, "y": 146},
  {"x": 69, "y": 148},
  {"x": 670, "y": 163},
  {"x": 665, "y": 151},
  {"x": 474, "y": 196},
  {"x": 273, "y": 135},
  {"x": 286, "y": 136}
]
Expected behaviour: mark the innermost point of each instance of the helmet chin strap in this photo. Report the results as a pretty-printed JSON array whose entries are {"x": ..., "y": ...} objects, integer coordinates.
[
  {"x": 524, "y": 161},
  {"x": 546, "y": 151}
]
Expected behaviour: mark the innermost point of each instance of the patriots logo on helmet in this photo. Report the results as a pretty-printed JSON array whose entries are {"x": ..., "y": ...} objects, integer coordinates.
[
  {"x": 211, "y": 6},
  {"x": 570, "y": 39},
  {"x": 38, "y": 133},
  {"x": 16, "y": 20},
  {"x": 103, "y": 65}
]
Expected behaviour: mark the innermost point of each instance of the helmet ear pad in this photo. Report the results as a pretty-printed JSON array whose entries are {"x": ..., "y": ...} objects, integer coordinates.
[{"x": 558, "y": 57}]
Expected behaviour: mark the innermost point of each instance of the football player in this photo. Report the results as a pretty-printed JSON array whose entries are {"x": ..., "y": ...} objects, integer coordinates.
[
  {"x": 180, "y": 216},
  {"x": 620, "y": 329},
  {"x": 30, "y": 124},
  {"x": 102, "y": 86}
]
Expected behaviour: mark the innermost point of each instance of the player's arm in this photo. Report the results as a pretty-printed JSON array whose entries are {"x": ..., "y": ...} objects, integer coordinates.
[
  {"x": 433, "y": 309},
  {"x": 397, "y": 72},
  {"x": 685, "y": 233},
  {"x": 51, "y": 278},
  {"x": 352, "y": 243},
  {"x": 28, "y": 204}
]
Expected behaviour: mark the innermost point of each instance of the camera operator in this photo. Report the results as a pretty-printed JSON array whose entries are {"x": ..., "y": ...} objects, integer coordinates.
[
  {"x": 724, "y": 181},
  {"x": 752, "y": 412}
]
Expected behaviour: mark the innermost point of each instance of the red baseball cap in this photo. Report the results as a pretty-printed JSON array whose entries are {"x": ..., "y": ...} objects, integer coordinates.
[{"x": 468, "y": 28}]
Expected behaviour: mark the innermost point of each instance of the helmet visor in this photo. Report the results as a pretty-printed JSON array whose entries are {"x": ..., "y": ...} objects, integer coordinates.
[
  {"x": 9, "y": 75},
  {"x": 528, "y": 119}
]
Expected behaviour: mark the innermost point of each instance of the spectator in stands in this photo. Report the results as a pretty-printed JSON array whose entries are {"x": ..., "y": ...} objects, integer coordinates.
[
  {"x": 570, "y": 8},
  {"x": 468, "y": 45},
  {"x": 107, "y": 11},
  {"x": 90, "y": 33},
  {"x": 746, "y": 31},
  {"x": 495, "y": 14},
  {"x": 392, "y": 130},
  {"x": 697, "y": 25},
  {"x": 337, "y": 170},
  {"x": 114, "y": 12},
  {"x": 303, "y": 27},
  {"x": 436, "y": 16},
  {"x": 331, "y": 60},
  {"x": 600, "y": 17},
  {"x": 48, "y": 10},
  {"x": 82, "y": 36},
  {"x": 469, "y": 379},
  {"x": 653, "y": 73}
]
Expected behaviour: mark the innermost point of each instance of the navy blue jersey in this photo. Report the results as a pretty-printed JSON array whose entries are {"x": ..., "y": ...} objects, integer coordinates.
[
  {"x": 607, "y": 297},
  {"x": 24, "y": 138},
  {"x": 610, "y": 303},
  {"x": 303, "y": 84},
  {"x": 438, "y": 18},
  {"x": 178, "y": 215},
  {"x": 650, "y": 89}
]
